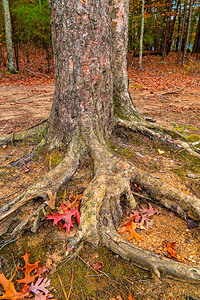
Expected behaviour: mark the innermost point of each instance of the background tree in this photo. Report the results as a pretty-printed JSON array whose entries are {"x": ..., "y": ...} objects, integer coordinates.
[
  {"x": 8, "y": 33},
  {"x": 141, "y": 36},
  {"x": 188, "y": 31}
]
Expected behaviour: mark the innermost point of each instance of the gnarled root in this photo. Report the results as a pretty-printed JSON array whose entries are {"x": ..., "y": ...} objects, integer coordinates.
[
  {"x": 161, "y": 133},
  {"x": 105, "y": 201},
  {"x": 35, "y": 131},
  {"x": 36, "y": 194}
]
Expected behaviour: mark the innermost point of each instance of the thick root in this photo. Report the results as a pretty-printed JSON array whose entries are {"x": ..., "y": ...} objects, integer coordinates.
[
  {"x": 161, "y": 133},
  {"x": 34, "y": 132},
  {"x": 168, "y": 196},
  {"x": 143, "y": 259},
  {"x": 53, "y": 180},
  {"x": 102, "y": 210}
]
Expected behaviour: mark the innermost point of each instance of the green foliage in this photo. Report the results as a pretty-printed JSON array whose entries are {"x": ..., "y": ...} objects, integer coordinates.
[{"x": 31, "y": 22}]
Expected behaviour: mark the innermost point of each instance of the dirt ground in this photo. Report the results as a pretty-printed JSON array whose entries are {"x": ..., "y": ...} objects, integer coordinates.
[{"x": 21, "y": 107}]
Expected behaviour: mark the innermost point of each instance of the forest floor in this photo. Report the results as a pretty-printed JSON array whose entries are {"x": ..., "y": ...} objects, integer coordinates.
[{"x": 164, "y": 93}]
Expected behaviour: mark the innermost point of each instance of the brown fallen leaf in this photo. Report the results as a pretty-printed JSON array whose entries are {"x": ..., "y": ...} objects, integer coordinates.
[
  {"x": 98, "y": 266},
  {"x": 52, "y": 199}
]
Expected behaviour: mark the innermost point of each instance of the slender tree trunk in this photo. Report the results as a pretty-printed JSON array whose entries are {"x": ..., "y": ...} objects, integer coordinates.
[
  {"x": 171, "y": 31},
  {"x": 182, "y": 30},
  {"x": 179, "y": 25},
  {"x": 8, "y": 31},
  {"x": 188, "y": 31},
  {"x": 141, "y": 37},
  {"x": 197, "y": 38}
]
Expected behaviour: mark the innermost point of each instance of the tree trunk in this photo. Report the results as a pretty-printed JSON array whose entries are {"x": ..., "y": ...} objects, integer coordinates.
[
  {"x": 8, "y": 31},
  {"x": 141, "y": 37},
  {"x": 182, "y": 30},
  {"x": 197, "y": 38},
  {"x": 188, "y": 31}
]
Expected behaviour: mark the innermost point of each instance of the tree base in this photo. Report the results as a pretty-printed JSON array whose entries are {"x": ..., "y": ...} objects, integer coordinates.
[{"x": 102, "y": 207}]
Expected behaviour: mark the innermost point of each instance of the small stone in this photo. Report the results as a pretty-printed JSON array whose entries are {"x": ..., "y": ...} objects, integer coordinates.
[{"x": 191, "y": 175}]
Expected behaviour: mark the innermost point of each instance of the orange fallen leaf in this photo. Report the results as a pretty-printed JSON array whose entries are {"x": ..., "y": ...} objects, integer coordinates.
[
  {"x": 27, "y": 269},
  {"x": 130, "y": 297},
  {"x": 137, "y": 188},
  {"x": 170, "y": 251},
  {"x": 131, "y": 227},
  {"x": 187, "y": 192},
  {"x": 10, "y": 292}
]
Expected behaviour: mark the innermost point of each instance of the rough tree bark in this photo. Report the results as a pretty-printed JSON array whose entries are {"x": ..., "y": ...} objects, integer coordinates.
[
  {"x": 8, "y": 31},
  {"x": 141, "y": 37},
  {"x": 91, "y": 100},
  {"x": 188, "y": 31}
]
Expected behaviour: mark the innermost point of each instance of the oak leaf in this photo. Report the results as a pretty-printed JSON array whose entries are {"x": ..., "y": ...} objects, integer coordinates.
[
  {"x": 66, "y": 216},
  {"x": 98, "y": 266},
  {"x": 27, "y": 269},
  {"x": 170, "y": 250},
  {"x": 137, "y": 188},
  {"x": 52, "y": 199},
  {"x": 10, "y": 292},
  {"x": 131, "y": 227},
  {"x": 40, "y": 286},
  {"x": 149, "y": 211}
]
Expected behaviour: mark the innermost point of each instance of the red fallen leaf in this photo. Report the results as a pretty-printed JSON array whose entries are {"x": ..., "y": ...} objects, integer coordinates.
[
  {"x": 149, "y": 211},
  {"x": 66, "y": 216},
  {"x": 41, "y": 270},
  {"x": 98, "y": 266}
]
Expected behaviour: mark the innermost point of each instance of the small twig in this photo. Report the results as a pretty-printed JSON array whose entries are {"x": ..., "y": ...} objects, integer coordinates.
[
  {"x": 172, "y": 92},
  {"x": 8, "y": 242},
  {"x": 87, "y": 264},
  {"x": 141, "y": 196},
  {"x": 39, "y": 123},
  {"x": 10, "y": 194},
  {"x": 39, "y": 75},
  {"x": 63, "y": 288},
  {"x": 71, "y": 284}
]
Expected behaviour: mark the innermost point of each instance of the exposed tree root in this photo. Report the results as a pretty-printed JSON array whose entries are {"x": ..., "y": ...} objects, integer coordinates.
[
  {"x": 53, "y": 180},
  {"x": 104, "y": 203},
  {"x": 161, "y": 133},
  {"x": 35, "y": 131},
  {"x": 103, "y": 208}
]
